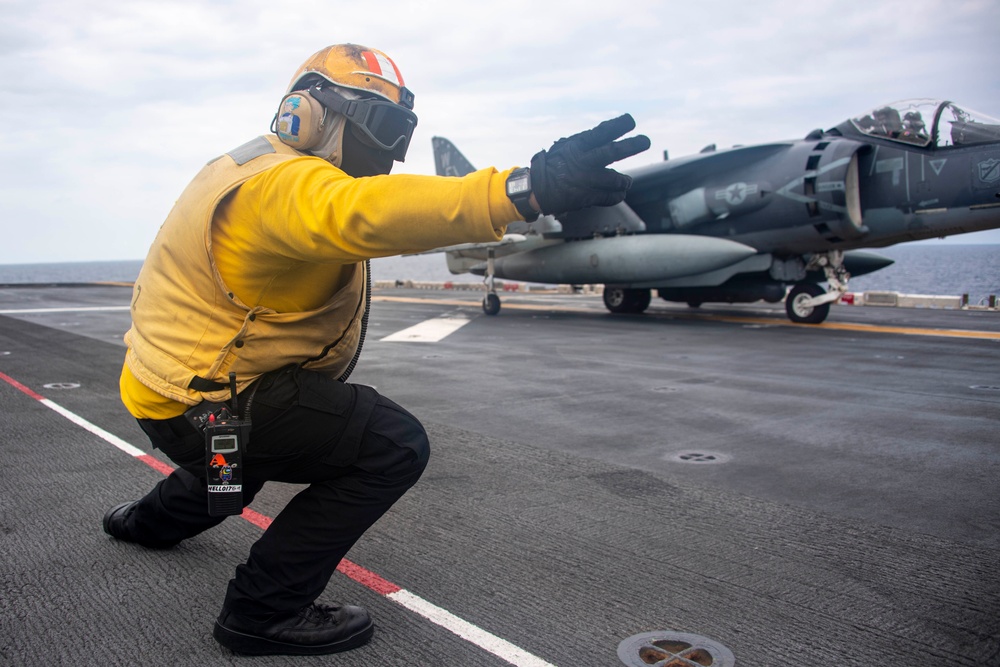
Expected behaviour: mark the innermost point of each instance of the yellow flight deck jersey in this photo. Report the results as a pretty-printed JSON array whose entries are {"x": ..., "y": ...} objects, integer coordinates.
[{"x": 260, "y": 264}]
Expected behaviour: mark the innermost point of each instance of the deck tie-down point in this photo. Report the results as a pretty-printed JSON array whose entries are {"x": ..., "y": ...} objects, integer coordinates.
[{"x": 674, "y": 649}]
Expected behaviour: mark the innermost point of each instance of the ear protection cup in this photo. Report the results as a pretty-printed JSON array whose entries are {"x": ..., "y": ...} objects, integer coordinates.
[{"x": 300, "y": 121}]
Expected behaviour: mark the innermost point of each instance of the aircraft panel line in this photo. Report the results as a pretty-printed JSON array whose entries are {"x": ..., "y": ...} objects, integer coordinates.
[{"x": 370, "y": 580}]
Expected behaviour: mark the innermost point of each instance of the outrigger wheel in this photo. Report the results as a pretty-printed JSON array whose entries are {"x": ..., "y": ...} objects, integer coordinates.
[{"x": 491, "y": 304}]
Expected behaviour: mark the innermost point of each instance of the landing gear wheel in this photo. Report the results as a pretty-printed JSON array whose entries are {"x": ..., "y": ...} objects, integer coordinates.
[
  {"x": 491, "y": 304},
  {"x": 622, "y": 300},
  {"x": 642, "y": 299},
  {"x": 694, "y": 304},
  {"x": 801, "y": 313}
]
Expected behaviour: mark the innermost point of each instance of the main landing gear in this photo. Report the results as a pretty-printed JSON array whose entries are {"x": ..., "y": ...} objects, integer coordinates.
[
  {"x": 807, "y": 303},
  {"x": 626, "y": 300}
]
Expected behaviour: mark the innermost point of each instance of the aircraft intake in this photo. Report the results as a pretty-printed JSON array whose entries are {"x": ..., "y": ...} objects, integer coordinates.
[{"x": 623, "y": 259}]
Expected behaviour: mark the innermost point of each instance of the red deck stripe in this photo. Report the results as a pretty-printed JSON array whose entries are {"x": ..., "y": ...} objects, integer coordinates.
[
  {"x": 155, "y": 463},
  {"x": 367, "y": 578},
  {"x": 17, "y": 385},
  {"x": 363, "y": 576},
  {"x": 262, "y": 521}
]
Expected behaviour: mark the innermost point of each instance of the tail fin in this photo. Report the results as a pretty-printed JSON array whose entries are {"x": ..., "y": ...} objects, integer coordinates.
[{"x": 448, "y": 161}]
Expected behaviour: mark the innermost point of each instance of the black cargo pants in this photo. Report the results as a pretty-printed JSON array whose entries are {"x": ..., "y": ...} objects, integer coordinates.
[{"x": 358, "y": 451}]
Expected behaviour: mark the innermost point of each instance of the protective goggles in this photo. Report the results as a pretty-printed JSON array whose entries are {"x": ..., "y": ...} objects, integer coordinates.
[{"x": 387, "y": 125}]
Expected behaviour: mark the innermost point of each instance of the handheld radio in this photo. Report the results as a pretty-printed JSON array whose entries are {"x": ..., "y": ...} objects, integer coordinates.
[{"x": 226, "y": 436}]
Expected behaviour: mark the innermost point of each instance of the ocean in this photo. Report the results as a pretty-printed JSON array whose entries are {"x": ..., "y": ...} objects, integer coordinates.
[{"x": 938, "y": 269}]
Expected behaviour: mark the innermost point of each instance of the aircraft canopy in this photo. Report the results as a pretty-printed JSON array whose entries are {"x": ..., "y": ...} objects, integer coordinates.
[{"x": 925, "y": 122}]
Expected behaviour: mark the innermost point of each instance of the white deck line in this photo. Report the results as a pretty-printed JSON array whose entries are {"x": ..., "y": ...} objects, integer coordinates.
[
  {"x": 471, "y": 633},
  {"x": 428, "y": 331}
]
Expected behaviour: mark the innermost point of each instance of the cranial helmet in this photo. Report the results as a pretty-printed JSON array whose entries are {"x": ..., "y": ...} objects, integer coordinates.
[
  {"x": 346, "y": 83},
  {"x": 351, "y": 66}
]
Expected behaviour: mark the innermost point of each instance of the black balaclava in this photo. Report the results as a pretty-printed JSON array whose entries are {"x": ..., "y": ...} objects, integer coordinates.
[{"x": 359, "y": 158}]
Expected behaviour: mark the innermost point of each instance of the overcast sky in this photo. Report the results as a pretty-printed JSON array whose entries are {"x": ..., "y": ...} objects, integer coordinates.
[{"x": 111, "y": 107}]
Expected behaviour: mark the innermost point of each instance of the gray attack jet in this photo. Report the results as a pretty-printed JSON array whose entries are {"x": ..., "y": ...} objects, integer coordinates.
[{"x": 766, "y": 222}]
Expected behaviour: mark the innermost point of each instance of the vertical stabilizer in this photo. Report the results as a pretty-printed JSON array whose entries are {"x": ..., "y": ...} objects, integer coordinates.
[{"x": 448, "y": 161}]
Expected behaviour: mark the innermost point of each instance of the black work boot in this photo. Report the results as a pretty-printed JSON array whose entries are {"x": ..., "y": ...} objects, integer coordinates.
[
  {"x": 115, "y": 525},
  {"x": 316, "y": 629}
]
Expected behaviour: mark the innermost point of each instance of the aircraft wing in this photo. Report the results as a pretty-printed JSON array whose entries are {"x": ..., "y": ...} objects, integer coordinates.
[
  {"x": 589, "y": 222},
  {"x": 507, "y": 240},
  {"x": 474, "y": 257}
]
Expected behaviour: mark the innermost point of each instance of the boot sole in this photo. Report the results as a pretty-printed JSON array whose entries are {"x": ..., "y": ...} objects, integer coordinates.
[{"x": 240, "y": 642}]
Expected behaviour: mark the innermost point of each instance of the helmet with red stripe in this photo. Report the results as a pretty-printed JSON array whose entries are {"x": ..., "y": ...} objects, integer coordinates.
[
  {"x": 360, "y": 86},
  {"x": 356, "y": 67}
]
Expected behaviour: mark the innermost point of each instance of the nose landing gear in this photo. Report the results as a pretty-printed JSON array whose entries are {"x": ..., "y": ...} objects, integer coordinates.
[{"x": 808, "y": 303}]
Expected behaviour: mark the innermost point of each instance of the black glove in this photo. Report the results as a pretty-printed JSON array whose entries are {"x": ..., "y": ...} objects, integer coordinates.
[{"x": 573, "y": 174}]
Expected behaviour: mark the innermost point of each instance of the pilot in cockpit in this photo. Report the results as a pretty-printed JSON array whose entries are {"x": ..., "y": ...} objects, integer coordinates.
[
  {"x": 914, "y": 128},
  {"x": 884, "y": 122},
  {"x": 888, "y": 123}
]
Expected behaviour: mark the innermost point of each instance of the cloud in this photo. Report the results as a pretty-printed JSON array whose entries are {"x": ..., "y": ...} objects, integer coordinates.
[{"x": 112, "y": 107}]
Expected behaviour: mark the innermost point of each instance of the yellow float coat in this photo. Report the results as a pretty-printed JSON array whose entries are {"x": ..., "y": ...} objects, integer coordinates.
[{"x": 261, "y": 264}]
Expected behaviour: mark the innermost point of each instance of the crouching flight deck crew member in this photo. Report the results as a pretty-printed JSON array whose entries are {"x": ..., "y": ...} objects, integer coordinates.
[{"x": 257, "y": 283}]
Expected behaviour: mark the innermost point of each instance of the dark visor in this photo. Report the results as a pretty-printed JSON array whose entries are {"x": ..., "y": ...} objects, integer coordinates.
[{"x": 386, "y": 124}]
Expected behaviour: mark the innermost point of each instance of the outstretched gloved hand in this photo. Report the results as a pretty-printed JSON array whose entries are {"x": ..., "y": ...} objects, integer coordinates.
[{"x": 573, "y": 173}]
